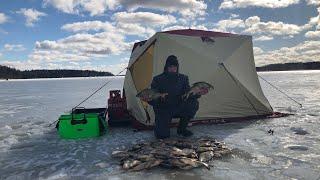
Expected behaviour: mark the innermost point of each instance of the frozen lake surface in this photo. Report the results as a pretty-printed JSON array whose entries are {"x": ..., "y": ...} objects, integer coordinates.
[{"x": 29, "y": 149}]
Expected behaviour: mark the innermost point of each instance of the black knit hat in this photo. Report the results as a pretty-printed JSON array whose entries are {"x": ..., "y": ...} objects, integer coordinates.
[{"x": 172, "y": 60}]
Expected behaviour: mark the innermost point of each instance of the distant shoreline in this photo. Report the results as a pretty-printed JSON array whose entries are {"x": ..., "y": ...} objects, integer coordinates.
[
  {"x": 12, "y": 73},
  {"x": 98, "y": 77},
  {"x": 53, "y": 79},
  {"x": 7, "y": 73},
  {"x": 290, "y": 67}
]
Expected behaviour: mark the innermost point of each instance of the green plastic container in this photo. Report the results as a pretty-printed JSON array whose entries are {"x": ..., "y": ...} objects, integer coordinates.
[{"x": 84, "y": 125}]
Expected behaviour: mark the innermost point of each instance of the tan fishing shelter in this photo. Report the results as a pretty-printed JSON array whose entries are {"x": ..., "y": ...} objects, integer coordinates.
[{"x": 224, "y": 60}]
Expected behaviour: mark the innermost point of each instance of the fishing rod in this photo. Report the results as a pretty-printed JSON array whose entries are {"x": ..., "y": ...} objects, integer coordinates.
[
  {"x": 281, "y": 91},
  {"x": 93, "y": 93},
  {"x": 98, "y": 89}
]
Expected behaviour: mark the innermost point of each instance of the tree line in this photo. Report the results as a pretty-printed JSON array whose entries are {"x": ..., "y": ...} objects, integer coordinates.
[
  {"x": 12, "y": 73},
  {"x": 290, "y": 66}
]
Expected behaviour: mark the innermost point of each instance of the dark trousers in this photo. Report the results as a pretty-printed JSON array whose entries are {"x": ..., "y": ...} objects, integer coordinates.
[{"x": 163, "y": 116}]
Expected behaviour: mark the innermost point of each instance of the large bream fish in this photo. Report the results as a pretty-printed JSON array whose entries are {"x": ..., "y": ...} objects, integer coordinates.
[
  {"x": 197, "y": 87},
  {"x": 150, "y": 94}
]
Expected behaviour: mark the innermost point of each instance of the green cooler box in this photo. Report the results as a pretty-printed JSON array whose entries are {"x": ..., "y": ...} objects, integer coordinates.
[{"x": 82, "y": 125}]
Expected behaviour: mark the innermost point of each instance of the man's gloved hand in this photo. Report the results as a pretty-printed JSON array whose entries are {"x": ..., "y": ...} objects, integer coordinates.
[
  {"x": 163, "y": 98},
  {"x": 145, "y": 99},
  {"x": 203, "y": 91}
]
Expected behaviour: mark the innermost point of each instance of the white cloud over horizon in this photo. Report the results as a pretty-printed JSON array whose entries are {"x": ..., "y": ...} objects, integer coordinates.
[
  {"x": 313, "y": 2},
  {"x": 315, "y": 21},
  {"x": 264, "y": 31},
  {"x": 232, "y": 4},
  {"x": 13, "y": 47},
  {"x": 189, "y": 8},
  {"x": 87, "y": 26},
  {"x": 152, "y": 19},
  {"x": 313, "y": 34},
  {"x": 80, "y": 47},
  {"x": 307, "y": 51},
  {"x": 263, "y": 38},
  {"x": 3, "y": 18},
  {"x": 31, "y": 15},
  {"x": 142, "y": 24}
]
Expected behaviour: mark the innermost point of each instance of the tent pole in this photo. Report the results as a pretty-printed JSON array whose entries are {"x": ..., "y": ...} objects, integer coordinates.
[{"x": 239, "y": 88}]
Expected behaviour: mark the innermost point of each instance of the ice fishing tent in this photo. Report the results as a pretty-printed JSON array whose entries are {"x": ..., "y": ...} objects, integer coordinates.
[{"x": 222, "y": 59}]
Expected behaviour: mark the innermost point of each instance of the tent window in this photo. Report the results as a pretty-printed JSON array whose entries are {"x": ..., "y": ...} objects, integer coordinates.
[{"x": 142, "y": 69}]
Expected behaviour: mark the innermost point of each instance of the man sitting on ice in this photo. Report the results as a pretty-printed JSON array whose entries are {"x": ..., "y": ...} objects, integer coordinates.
[{"x": 173, "y": 105}]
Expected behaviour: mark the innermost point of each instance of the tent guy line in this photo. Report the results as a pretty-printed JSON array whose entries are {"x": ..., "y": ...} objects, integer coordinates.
[
  {"x": 233, "y": 78},
  {"x": 278, "y": 89}
]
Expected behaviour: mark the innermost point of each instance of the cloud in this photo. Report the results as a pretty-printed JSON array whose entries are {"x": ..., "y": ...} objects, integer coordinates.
[
  {"x": 13, "y": 47},
  {"x": 313, "y": 34},
  {"x": 314, "y": 21},
  {"x": 3, "y": 18},
  {"x": 257, "y": 51},
  {"x": 142, "y": 24},
  {"x": 234, "y": 15},
  {"x": 255, "y": 26},
  {"x": 313, "y": 2},
  {"x": 88, "y": 26},
  {"x": 174, "y": 27},
  {"x": 97, "y": 7},
  {"x": 66, "y": 6},
  {"x": 80, "y": 47},
  {"x": 307, "y": 51},
  {"x": 93, "y": 7},
  {"x": 135, "y": 29},
  {"x": 22, "y": 65},
  {"x": 233, "y": 4},
  {"x": 169, "y": 28},
  {"x": 31, "y": 15},
  {"x": 228, "y": 24},
  {"x": 113, "y": 68},
  {"x": 190, "y": 8},
  {"x": 119, "y": 28},
  {"x": 262, "y": 31},
  {"x": 147, "y": 18},
  {"x": 263, "y": 38}
]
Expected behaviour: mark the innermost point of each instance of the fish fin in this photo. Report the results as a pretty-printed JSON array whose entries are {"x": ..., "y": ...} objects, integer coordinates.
[
  {"x": 184, "y": 97},
  {"x": 148, "y": 116},
  {"x": 188, "y": 95}
]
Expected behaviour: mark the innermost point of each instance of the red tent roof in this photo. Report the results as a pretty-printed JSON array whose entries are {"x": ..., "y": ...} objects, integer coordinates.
[
  {"x": 190, "y": 32},
  {"x": 201, "y": 33}
]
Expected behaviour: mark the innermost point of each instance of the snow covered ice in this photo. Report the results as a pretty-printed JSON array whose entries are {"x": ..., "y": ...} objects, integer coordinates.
[{"x": 30, "y": 149}]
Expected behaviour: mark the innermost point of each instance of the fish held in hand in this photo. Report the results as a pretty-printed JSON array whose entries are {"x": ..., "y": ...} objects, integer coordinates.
[
  {"x": 150, "y": 94},
  {"x": 197, "y": 87}
]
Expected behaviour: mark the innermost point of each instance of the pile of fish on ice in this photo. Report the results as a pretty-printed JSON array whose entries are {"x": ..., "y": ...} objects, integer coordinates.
[{"x": 172, "y": 153}]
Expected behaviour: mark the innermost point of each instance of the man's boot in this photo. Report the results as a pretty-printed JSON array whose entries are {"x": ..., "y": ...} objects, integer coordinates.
[{"x": 182, "y": 128}]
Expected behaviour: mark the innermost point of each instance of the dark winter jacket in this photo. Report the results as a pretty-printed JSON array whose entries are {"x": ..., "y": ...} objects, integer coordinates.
[{"x": 175, "y": 84}]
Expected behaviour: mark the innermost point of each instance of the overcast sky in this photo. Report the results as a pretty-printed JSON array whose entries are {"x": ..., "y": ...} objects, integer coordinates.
[{"x": 99, "y": 34}]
